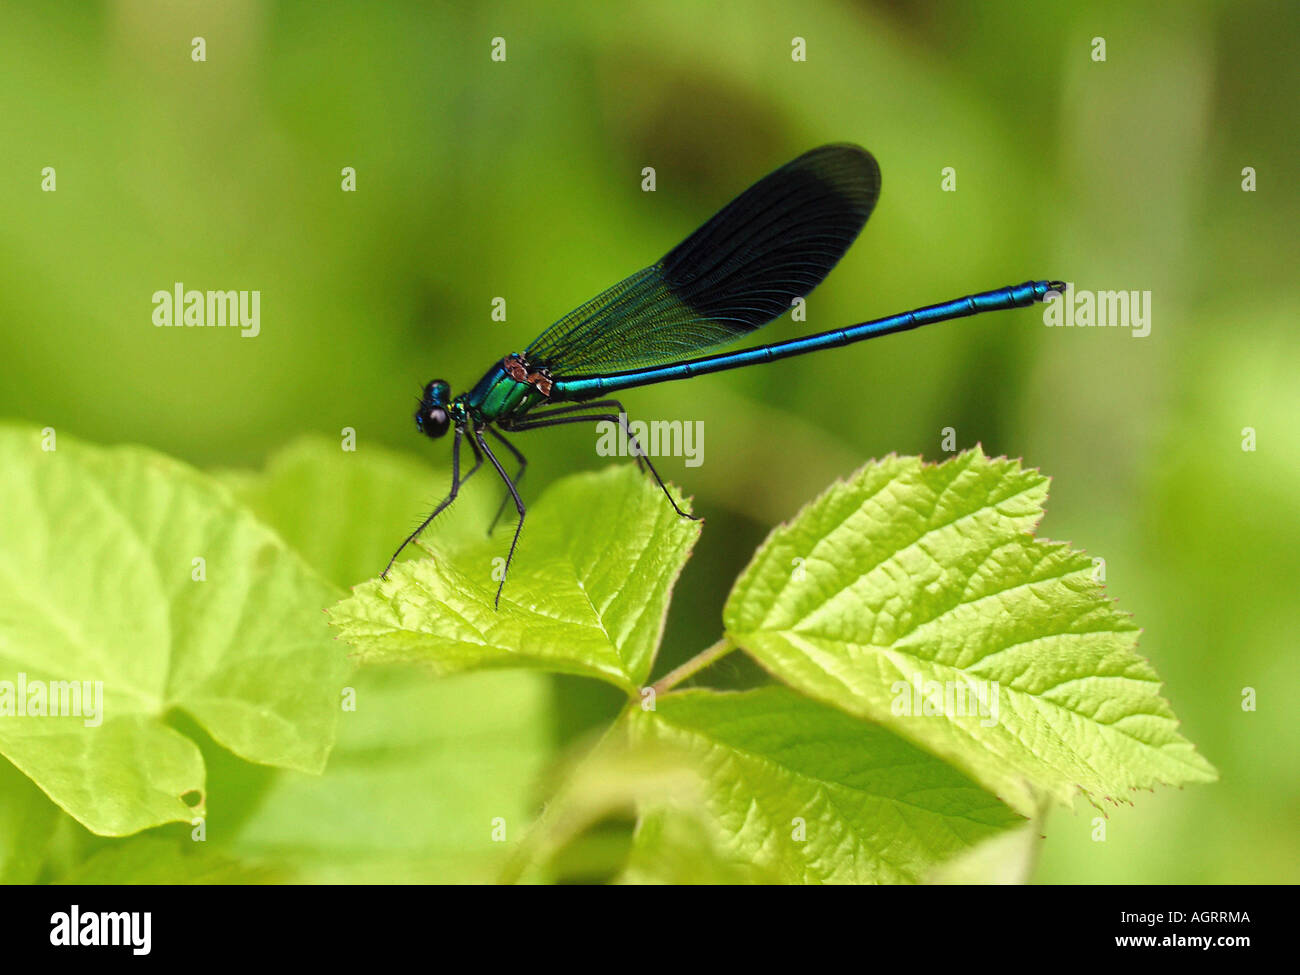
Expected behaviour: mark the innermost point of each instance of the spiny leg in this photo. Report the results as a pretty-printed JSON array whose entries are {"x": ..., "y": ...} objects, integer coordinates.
[
  {"x": 544, "y": 420},
  {"x": 519, "y": 506},
  {"x": 456, "y": 482},
  {"x": 523, "y": 466}
]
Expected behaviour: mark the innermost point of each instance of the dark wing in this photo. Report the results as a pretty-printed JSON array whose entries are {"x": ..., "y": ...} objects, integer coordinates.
[{"x": 773, "y": 243}]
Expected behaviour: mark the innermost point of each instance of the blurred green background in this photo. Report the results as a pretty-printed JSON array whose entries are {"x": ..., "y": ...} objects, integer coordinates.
[{"x": 522, "y": 179}]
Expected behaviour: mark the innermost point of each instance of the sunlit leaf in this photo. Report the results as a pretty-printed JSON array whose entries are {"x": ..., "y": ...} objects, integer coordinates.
[
  {"x": 432, "y": 781},
  {"x": 913, "y": 595},
  {"x": 587, "y": 592},
  {"x": 123, "y": 570},
  {"x": 808, "y": 794}
]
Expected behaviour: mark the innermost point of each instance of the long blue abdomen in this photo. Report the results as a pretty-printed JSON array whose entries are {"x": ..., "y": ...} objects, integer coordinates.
[{"x": 1014, "y": 296}]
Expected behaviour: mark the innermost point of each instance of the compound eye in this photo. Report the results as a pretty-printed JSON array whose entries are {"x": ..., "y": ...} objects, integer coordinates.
[
  {"x": 431, "y": 419},
  {"x": 434, "y": 422}
]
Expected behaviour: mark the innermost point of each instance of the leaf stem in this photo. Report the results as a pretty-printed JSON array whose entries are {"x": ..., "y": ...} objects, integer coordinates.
[{"x": 693, "y": 666}]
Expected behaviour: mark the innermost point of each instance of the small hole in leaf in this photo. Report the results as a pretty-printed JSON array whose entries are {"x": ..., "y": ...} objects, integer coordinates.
[{"x": 192, "y": 798}]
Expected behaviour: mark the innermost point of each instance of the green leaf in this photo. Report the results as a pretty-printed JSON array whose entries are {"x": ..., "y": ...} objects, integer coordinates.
[
  {"x": 435, "y": 762},
  {"x": 151, "y": 860},
  {"x": 808, "y": 794},
  {"x": 345, "y": 511},
  {"x": 97, "y": 584},
  {"x": 27, "y": 820},
  {"x": 1007, "y": 858},
  {"x": 424, "y": 773},
  {"x": 587, "y": 593},
  {"x": 681, "y": 847},
  {"x": 908, "y": 574},
  {"x": 609, "y": 780}
]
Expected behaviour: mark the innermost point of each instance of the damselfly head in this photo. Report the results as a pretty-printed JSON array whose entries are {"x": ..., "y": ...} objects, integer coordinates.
[{"x": 431, "y": 418}]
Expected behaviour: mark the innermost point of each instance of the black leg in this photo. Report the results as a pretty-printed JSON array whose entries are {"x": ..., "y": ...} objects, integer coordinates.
[
  {"x": 519, "y": 506},
  {"x": 596, "y": 404},
  {"x": 519, "y": 476},
  {"x": 553, "y": 421},
  {"x": 456, "y": 482}
]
